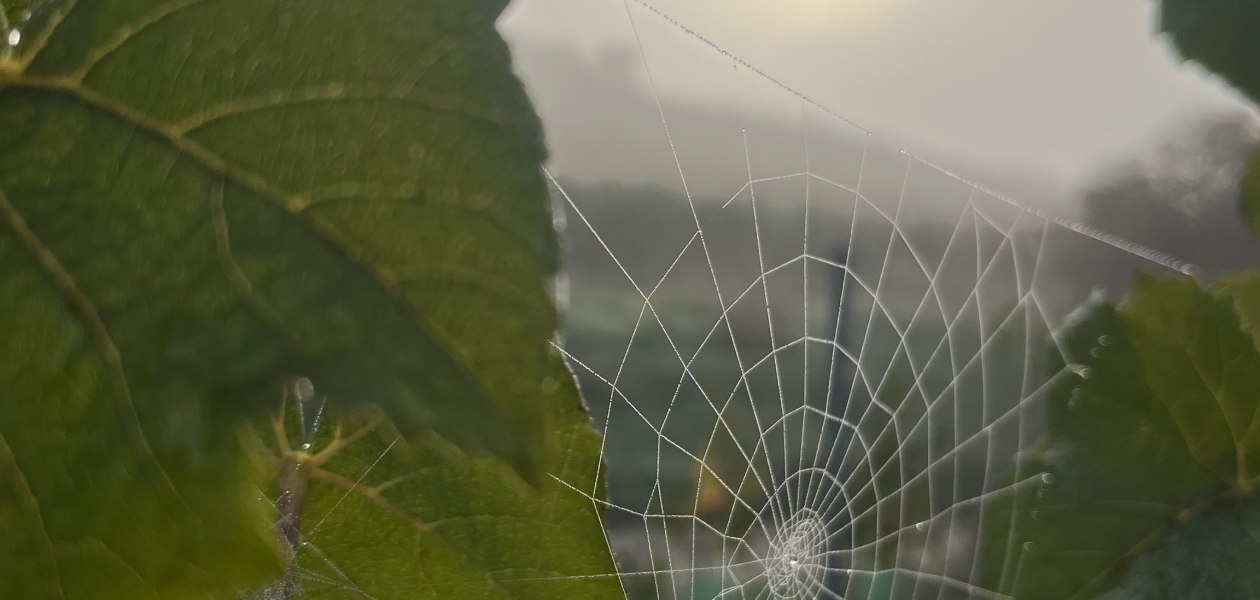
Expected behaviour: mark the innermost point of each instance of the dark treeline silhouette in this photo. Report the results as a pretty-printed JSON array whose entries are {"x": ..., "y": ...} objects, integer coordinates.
[{"x": 1182, "y": 198}]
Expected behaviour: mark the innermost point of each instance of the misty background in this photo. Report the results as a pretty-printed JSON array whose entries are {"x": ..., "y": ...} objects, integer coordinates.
[{"x": 1053, "y": 103}]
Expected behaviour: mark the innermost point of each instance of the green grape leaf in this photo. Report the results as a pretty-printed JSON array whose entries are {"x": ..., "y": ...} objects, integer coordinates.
[
  {"x": 1157, "y": 434},
  {"x": 203, "y": 199},
  {"x": 1220, "y": 35}
]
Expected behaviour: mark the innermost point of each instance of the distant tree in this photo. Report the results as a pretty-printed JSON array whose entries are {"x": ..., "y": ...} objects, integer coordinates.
[{"x": 1182, "y": 198}]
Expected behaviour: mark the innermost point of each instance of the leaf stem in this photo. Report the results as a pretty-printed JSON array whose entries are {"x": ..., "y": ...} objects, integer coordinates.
[
  {"x": 294, "y": 479},
  {"x": 293, "y": 484}
]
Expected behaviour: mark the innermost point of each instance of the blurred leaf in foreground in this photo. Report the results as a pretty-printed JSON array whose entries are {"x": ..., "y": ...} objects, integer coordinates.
[
  {"x": 1154, "y": 446},
  {"x": 1220, "y": 35},
  {"x": 1213, "y": 558}
]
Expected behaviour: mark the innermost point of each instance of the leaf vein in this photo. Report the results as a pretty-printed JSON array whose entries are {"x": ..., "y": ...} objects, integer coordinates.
[
  {"x": 327, "y": 93},
  {"x": 41, "y": 41},
  {"x": 218, "y": 166},
  {"x": 127, "y": 33},
  {"x": 408, "y": 191},
  {"x": 27, "y": 498},
  {"x": 85, "y": 310}
]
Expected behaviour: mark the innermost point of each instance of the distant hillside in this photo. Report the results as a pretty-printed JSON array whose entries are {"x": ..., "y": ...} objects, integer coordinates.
[{"x": 576, "y": 96}]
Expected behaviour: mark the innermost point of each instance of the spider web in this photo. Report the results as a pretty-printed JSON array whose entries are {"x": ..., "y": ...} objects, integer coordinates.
[
  {"x": 815, "y": 359},
  {"x": 813, "y": 383}
]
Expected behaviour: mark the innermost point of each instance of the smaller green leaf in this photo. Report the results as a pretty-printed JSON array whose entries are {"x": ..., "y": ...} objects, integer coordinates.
[{"x": 1151, "y": 441}]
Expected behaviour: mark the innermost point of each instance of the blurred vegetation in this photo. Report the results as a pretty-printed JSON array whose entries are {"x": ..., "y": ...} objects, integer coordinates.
[
  {"x": 1220, "y": 35},
  {"x": 1181, "y": 196}
]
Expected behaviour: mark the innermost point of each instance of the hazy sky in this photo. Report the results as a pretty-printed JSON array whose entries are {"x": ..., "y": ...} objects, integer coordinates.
[{"x": 1057, "y": 86}]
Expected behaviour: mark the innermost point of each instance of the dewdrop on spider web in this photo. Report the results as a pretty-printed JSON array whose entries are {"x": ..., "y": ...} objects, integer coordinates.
[{"x": 310, "y": 409}]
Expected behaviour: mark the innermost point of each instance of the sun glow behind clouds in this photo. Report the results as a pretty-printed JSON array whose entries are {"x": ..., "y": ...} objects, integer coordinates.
[{"x": 810, "y": 14}]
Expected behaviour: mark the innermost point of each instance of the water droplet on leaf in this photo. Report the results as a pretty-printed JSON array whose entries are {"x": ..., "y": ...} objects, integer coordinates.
[
  {"x": 14, "y": 37},
  {"x": 303, "y": 389}
]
